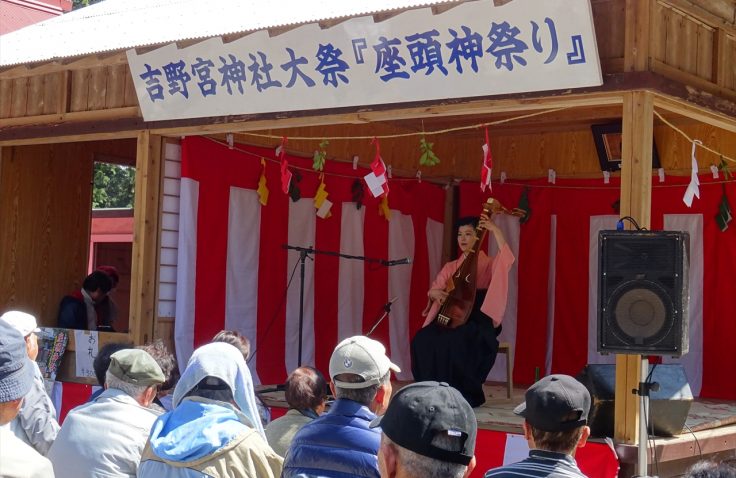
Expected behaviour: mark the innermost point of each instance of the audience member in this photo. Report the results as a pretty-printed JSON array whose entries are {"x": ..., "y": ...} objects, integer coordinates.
[
  {"x": 555, "y": 412},
  {"x": 36, "y": 423},
  {"x": 241, "y": 342},
  {"x": 102, "y": 362},
  {"x": 341, "y": 443},
  {"x": 108, "y": 305},
  {"x": 106, "y": 437},
  {"x": 711, "y": 469},
  {"x": 165, "y": 359},
  {"x": 306, "y": 394},
  {"x": 17, "y": 459},
  {"x": 429, "y": 431},
  {"x": 81, "y": 309},
  {"x": 214, "y": 428}
]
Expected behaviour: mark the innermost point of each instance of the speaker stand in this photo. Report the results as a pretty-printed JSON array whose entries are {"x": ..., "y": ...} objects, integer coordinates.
[{"x": 645, "y": 387}]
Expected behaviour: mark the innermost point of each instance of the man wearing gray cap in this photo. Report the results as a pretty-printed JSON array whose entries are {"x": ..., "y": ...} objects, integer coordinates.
[
  {"x": 341, "y": 443},
  {"x": 36, "y": 423},
  {"x": 105, "y": 437},
  {"x": 555, "y": 412},
  {"x": 17, "y": 459}
]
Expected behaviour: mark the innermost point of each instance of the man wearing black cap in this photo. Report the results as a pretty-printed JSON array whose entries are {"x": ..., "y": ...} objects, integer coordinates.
[
  {"x": 17, "y": 459},
  {"x": 555, "y": 412},
  {"x": 428, "y": 431}
]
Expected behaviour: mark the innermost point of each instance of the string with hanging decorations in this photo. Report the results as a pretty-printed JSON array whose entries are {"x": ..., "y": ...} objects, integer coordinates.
[{"x": 377, "y": 180}]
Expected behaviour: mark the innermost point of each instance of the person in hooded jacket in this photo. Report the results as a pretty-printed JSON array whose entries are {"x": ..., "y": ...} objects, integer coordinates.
[{"x": 214, "y": 429}]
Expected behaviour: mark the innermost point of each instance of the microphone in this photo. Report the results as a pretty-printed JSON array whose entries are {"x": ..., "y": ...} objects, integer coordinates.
[{"x": 396, "y": 262}]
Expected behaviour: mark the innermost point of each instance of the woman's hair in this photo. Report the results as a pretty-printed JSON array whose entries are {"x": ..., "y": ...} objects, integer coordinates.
[
  {"x": 467, "y": 221},
  {"x": 165, "y": 359},
  {"x": 306, "y": 388},
  {"x": 235, "y": 339}
]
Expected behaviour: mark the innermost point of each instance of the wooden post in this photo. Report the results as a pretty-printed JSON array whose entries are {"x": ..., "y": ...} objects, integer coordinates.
[
  {"x": 636, "y": 200},
  {"x": 145, "y": 237},
  {"x": 636, "y": 36}
]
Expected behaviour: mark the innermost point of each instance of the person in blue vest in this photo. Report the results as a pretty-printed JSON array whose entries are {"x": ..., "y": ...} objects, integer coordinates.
[{"x": 341, "y": 443}]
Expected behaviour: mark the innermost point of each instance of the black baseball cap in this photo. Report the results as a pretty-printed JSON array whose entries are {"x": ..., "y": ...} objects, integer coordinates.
[
  {"x": 420, "y": 411},
  {"x": 556, "y": 403}
]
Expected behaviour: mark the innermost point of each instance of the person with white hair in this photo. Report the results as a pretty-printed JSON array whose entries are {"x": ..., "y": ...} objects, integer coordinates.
[
  {"x": 36, "y": 423},
  {"x": 214, "y": 429},
  {"x": 105, "y": 437}
]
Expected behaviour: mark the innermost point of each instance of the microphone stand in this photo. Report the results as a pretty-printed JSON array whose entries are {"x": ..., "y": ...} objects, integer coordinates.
[
  {"x": 386, "y": 310},
  {"x": 305, "y": 252}
]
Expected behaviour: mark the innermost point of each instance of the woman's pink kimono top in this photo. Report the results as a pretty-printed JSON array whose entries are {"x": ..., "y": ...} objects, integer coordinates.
[{"x": 492, "y": 272}]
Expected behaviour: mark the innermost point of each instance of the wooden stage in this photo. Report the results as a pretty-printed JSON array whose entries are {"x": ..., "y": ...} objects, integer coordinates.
[{"x": 710, "y": 430}]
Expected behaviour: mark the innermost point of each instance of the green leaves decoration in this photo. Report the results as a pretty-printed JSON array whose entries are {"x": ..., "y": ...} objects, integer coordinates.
[
  {"x": 318, "y": 161},
  {"x": 428, "y": 158}
]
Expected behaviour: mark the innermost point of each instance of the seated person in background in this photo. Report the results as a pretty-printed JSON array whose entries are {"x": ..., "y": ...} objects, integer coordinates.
[
  {"x": 81, "y": 309},
  {"x": 165, "y": 359},
  {"x": 36, "y": 423},
  {"x": 107, "y": 305},
  {"x": 428, "y": 431},
  {"x": 340, "y": 443},
  {"x": 555, "y": 412},
  {"x": 17, "y": 459},
  {"x": 214, "y": 429},
  {"x": 106, "y": 437},
  {"x": 241, "y": 342},
  {"x": 306, "y": 394},
  {"x": 102, "y": 363}
]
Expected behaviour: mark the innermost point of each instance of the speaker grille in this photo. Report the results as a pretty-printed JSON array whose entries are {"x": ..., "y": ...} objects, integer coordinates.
[{"x": 642, "y": 292}]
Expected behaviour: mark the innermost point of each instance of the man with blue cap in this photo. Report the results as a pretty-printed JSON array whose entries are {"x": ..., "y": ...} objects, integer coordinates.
[{"x": 17, "y": 459}]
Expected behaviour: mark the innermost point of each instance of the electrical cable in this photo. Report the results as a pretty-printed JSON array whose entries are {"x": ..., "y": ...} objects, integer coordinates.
[
  {"x": 275, "y": 313},
  {"x": 700, "y": 451},
  {"x": 620, "y": 224}
]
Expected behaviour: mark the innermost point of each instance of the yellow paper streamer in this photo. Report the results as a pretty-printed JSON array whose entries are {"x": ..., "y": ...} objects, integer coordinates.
[
  {"x": 262, "y": 187},
  {"x": 321, "y": 196},
  {"x": 383, "y": 208}
]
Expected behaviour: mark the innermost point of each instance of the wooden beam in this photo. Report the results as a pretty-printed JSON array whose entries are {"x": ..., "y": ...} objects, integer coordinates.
[
  {"x": 76, "y": 63},
  {"x": 715, "y": 13},
  {"x": 636, "y": 198},
  {"x": 636, "y": 37},
  {"x": 74, "y": 116},
  {"x": 682, "y": 107},
  {"x": 147, "y": 207}
]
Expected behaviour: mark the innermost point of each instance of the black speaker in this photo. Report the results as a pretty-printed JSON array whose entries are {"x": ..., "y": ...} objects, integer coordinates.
[
  {"x": 668, "y": 406},
  {"x": 643, "y": 292}
]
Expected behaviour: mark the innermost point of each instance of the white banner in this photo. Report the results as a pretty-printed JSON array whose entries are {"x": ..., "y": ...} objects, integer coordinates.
[{"x": 473, "y": 49}]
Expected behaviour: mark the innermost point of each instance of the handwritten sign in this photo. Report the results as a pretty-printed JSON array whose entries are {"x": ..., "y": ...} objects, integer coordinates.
[
  {"x": 87, "y": 346},
  {"x": 474, "y": 49}
]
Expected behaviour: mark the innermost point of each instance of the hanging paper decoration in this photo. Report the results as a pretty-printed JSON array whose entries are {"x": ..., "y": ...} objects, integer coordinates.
[
  {"x": 262, "y": 187},
  {"x": 318, "y": 160},
  {"x": 383, "y": 209},
  {"x": 723, "y": 166},
  {"x": 428, "y": 158},
  {"x": 376, "y": 179},
  {"x": 724, "y": 212},
  {"x": 321, "y": 202},
  {"x": 285, "y": 172},
  {"x": 693, "y": 189},
  {"x": 358, "y": 193},
  {"x": 487, "y": 169},
  {"x": 524, "y": 206},
  {"x": 294, "y": 192}
]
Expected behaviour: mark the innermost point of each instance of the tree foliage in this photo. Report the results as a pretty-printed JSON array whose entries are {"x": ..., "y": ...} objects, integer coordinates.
[
  {"x": 114, "y": 186},
  {"x": 83, "y": 3}
]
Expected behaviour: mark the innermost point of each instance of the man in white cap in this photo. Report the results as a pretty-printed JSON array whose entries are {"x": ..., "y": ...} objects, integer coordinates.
[
  {"x": 17, "y": 459},
  {"x": 341, "y": 443},
  {"x": 36, "y": 423}
]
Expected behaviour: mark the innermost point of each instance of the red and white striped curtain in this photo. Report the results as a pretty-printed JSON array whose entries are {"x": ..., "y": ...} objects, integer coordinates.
[
  {"x": 552, "y": 313},
  {"x": 233, "y": 271}
]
